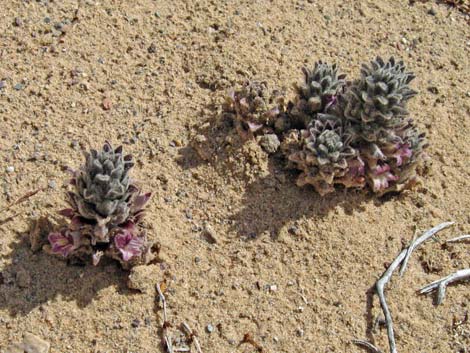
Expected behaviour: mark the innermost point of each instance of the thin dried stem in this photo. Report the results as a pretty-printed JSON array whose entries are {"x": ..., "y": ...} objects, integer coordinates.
[
  {"x": 459, "y": 238},
  {"x": 192, "y": 336},
  {"x": 8, "y": 219},
  {"x": 380, "y": 285},
  {"x": 166, "y": 335},
  {"x": 414, "y": 243},
  {"x": 441, "y": 284},
  {"x": 367, "y": 345},
  {"x": 21, "y": 199},
  {"x": 248, "y": 338}
]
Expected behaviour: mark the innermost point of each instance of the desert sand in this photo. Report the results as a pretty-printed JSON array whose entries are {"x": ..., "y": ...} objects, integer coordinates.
[{"x": 288, "y": 267}]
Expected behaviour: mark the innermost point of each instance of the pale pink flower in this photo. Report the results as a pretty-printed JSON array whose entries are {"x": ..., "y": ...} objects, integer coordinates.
[
  {"x": 128, "y": 244},
  {"x": 64, "y": 241}
]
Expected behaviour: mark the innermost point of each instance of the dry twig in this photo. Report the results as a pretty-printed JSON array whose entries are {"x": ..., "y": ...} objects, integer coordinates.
[
  {"x": 441, "y": 284},
  {"x": 416, "y": 243},
  {"x": 191, "y": 336},
  {"x": 21, "y": 199},
  {"x": 166, "y": 336},
  {"x": 248, "y": 338},
  {"x": 459, "y": 238},
  {"x": 367, "y": 345},
  {"x": 380, "y": 285}
]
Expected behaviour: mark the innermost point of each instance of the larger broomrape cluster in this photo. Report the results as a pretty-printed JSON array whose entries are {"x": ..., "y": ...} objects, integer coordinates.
[{"x": 355, "y": 134}]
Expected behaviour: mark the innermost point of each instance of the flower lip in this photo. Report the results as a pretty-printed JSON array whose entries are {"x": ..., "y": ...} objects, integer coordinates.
[
  {"x": 64, "y": 241},
  {"x": 128, "y": 244},
  {"x": 403, "y": 151}
]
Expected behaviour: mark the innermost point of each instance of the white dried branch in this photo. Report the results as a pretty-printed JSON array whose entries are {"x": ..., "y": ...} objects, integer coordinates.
[
  {"x": 380, "y": 285},
  {"x": 441, "y": 284},
  {"x": 189, "y": 332},
  {"x": 459, "y": 238},
  {"x": 166, "y": 335},
  {"x": 368, "y": 345},
  {"x": 416, "y": 243}
]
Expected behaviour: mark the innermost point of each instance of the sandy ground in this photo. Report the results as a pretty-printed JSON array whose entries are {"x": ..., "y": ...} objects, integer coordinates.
[{"x": 289, "y": 267}]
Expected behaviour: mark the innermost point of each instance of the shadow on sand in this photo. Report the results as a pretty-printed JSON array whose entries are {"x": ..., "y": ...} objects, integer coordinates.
[
  {"x": 270, "y": 204},
  {"x": 272, "y": 201},
  {"x": 30, "y": 279}
]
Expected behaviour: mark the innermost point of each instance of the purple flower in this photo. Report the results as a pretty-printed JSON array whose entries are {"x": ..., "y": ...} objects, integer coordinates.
[
  {"x": 356, "y": 167},
  {"x": 253, "y": 127},
  {"x": 355, "y": 175},
  {"x": 128, "y": 244},
  {"x": 97, "y": 257},
  {"x": 68, "y": 212},
  {"x": 403, "y": 151},
  {"x": 382, "y": 177},
  {"x": 330, "y": 101},
  {"x": 64, "y": 241},
  {"x": 140, "y": 201}
]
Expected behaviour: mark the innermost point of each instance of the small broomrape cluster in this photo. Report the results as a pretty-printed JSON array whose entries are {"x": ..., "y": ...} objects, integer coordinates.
[
  {"x": 355, "y": 134},
  {"x": 106, "y": 211}
]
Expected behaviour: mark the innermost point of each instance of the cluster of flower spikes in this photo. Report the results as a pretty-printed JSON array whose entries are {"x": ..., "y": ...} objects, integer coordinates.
[
  {"x": 355, "y": 134},
  {"x": 387, "y": 139},
  {"x": 325, "y": 156},
  {"x": 106, "y": 211},
  {"x": 254, "y": 108}
]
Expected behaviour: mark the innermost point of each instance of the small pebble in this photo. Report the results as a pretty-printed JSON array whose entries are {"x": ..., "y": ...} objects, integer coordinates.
[
  {"x": 18, "y": 86},
  {"x": 18, "y": 22},
  {"x": 52, "y": 184},
  {"x": 106, "y": 103},
  {"x": 294, "y": 230},
  {"x": 47, "y": 20},
  {"x": 152, "y": 48},
  {"x": 135, "y": 323},
  {"x": 10, "y": 169},
  {"x": 273, "y": 288},
  {"x": 2, "y": 84},
  {"x": 300, "y": 332},
  {"x": 35, "y": 157},
  {"x": 269, "y": 142},
  {"x": 140, "y": 278},
  {"x": 23, "y": 278},
  {"x": 209, "y": 234},
  {"x": 432, "y": 12},
  {"x": 210, "y": 328},
  {"x": 34, "y": 344}
]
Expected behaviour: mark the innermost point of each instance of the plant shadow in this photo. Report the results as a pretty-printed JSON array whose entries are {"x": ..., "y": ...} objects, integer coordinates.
[
  {"x": 32, "y": 278},
  {"x": 270, "y": 201}
]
